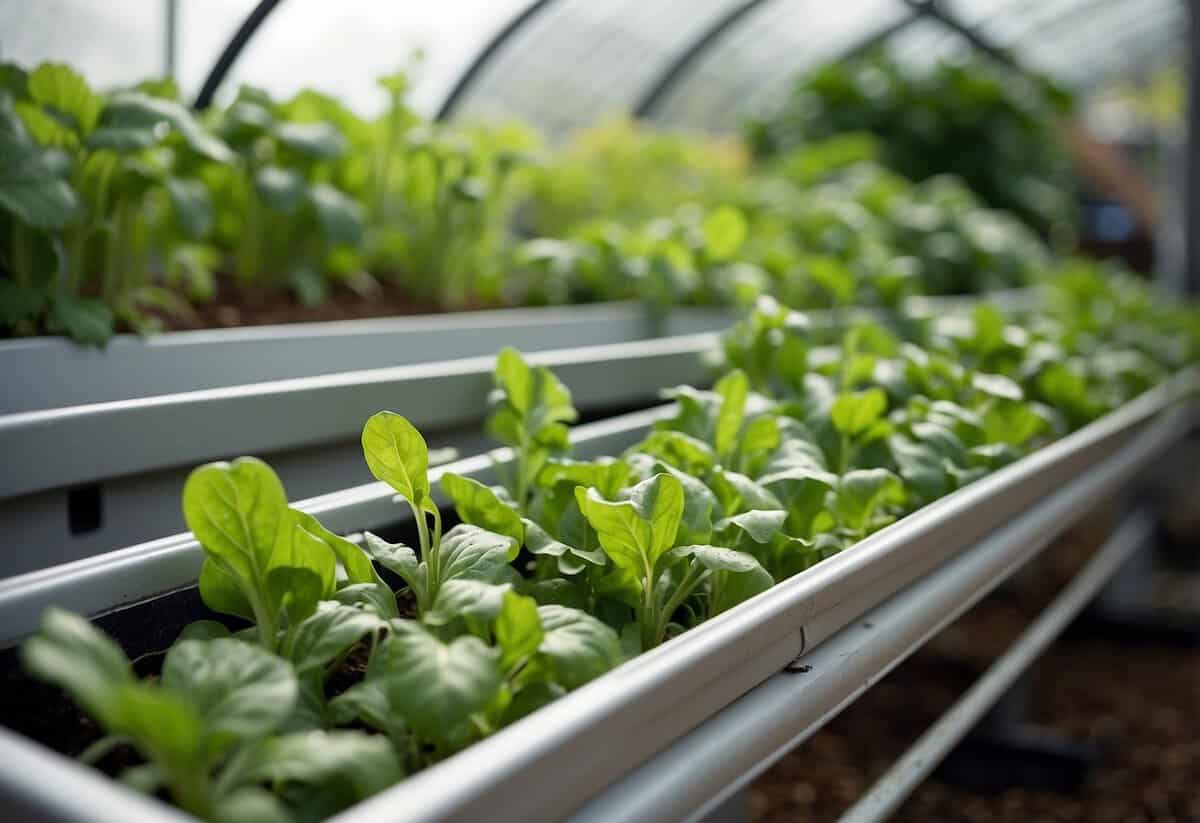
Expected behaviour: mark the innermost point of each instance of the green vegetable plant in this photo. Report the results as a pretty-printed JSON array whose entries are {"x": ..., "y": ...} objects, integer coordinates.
[{"x": 104, "y": 190}]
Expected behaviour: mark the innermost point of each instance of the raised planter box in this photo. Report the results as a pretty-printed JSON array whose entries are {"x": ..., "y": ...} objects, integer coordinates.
[
  {"x": 51, "y": 372},
  {"x": 103, "y": 447},
  {"x": 549, "y": 764},
  {"x": 97, "y": 477}
]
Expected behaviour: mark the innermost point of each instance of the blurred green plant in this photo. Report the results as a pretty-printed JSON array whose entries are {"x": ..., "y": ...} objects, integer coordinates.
[{"x": 996, "y": 129}]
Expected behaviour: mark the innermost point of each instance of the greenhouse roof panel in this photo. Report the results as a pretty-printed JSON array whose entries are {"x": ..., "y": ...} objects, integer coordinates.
[{"x": 752, "y": 64}]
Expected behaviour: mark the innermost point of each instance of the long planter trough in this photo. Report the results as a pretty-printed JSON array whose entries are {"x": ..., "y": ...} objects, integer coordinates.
[{"x": 549, "y": 764}]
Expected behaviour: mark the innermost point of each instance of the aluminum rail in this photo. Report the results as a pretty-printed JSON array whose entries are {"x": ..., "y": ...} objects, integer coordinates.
[
  {"x": 716, "y": 760},
  {"x": 286, "y": 414},
  {"x": 131, "y": 366},
  {"x": 548, "y": 764},
  {"x": 907, "y": 773}
]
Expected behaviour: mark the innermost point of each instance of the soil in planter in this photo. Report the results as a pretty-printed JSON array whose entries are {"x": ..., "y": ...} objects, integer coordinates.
[
  {"x": 236, "y": 305},
  {"x": 1139, "y": 700}
]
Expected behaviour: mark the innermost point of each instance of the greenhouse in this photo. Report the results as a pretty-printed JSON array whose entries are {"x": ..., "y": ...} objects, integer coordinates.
[{"x": 536, "y": 410}]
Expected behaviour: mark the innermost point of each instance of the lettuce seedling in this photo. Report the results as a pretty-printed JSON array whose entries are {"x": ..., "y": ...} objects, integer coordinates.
[
  {"x": 639, "y": 537},
  {"x": 212, "y": 728},
  {"x": 263, "y": 560},
  {"x": 530, "y": 410},
  {"x": 398, "y": 455}
]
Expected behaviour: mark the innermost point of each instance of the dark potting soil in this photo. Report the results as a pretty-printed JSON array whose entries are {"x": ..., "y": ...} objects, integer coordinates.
[
  {"x": 1139, "y": 701},
  {"x": 236, "y": 305}
]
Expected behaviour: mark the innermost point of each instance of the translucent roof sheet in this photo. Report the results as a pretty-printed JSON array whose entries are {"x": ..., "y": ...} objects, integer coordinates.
[
  {"x": 579, "y": 59},
  {"x": 572, "y": 61},
  {"x": 752, "y": 64}
]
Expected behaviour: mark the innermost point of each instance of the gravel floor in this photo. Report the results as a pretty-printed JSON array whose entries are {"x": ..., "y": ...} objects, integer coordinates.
[{"x": 1140, "y": 701}]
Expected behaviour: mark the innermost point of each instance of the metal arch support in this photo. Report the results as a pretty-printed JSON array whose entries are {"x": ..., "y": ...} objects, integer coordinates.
[
  {"x": 232, "y": 50},
  {"x": 935, "y": 10},
  {"x": 1191, "y": 212},
  {"x": 680, "y": 65},
  {"x": 486, "y": 53}
]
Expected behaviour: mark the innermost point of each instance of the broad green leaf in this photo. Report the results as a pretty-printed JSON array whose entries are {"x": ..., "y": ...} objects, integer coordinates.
[
  {"x": 724, "y": 231},
  {"x": 733, "y": 389},
  {"x": 605, "y": 474},
  {"x": 294, "y": 591},
  {"x": 737, "y": 493},
  {"x": 354, "y": 560},
  {"x": 538, "y": 403},
  {"x": 435, "y": 686},
  {"x": 700, "y": 506},
  {"x": 296, "y": 547},
  {"x": 802, "y": 493},
  {"x": 683, "y": 451},
  {"x": 249, "y": 805},
  {"x": 518, "y": 629},
  {"x": 239, "y": 690},
  {"x": 282, "y": 190},
  {"x": 569, "y": 559},
  {"x": 342, "y": 219},
  {"x": 395, "y": 557},
  {"x": 471, "y": 553},
  {"x": 853, "y": 414},
  {"x": 998, "y": 386},
  {"x": 759, "y": 525},
  {"x": 66, "y": 93},
  {"x": 367, "y": 700},
  {"x": 1012, "y": 423},
  {"x": 32, "y": 184},
  {"x": 376, "y": 598},
  {"x": 476, "y": 601},
  {"x": 736, "y": 576},
  {"x": 131, "y": 121},
  {"x": 478, "y": 505},
  {"x": 320, "y": 140},
  {"x": 861, "y": 493},
  {"x": 221, "y": 591},
  {"x": 348, "y": 766},
  {"x": 70, "y": 653},
  {"x": 165, "y": 726},
  {"x": 580, "y": 647},
  {"x": 921, "y": 467},
  {"x": 234, "y": 510},
  {"x": 82, "y": 319},
  {"x": 192, "y": 205},
  {"x": 333, "y": 629},
  {"x": 635, "y": 534},
  {"x": 396, "y": 454}
]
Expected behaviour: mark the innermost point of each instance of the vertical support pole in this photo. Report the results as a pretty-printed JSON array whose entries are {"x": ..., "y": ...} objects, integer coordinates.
[
  {"x": 1191, "y": 217},
  {"x": 171, "y": 39}
]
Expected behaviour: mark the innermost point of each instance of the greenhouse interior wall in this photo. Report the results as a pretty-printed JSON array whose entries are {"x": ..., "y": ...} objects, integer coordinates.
[{"x": 707, "y": 410}]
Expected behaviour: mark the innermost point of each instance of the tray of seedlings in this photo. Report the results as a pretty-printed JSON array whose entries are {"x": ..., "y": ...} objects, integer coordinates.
[{"x": 522, "y": 631}]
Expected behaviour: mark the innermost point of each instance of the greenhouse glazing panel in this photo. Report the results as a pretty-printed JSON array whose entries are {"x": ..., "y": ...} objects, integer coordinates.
[
  {"x": 751, "y": 66},
  {"x": 577, "y": 61},
  {"x": 112, "y": 49},
  {"x": 341, "y": 48}
]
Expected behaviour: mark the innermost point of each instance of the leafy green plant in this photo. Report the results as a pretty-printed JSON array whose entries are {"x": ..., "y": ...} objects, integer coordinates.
[
  {"x": 803, "y": 447},
  {"x": 995, "y": 128},
  {"x": 114, "y": 185}
]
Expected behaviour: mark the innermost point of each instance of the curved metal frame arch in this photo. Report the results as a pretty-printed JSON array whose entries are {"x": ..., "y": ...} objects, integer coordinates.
[
  {"x": 232, "y": 51},
  {"x": 683, "y": 62},
  {"x": 486, "y": 53}
]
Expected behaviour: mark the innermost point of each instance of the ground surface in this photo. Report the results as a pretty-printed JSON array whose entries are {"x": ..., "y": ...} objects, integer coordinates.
[{"x": 1140, "y": 700}]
